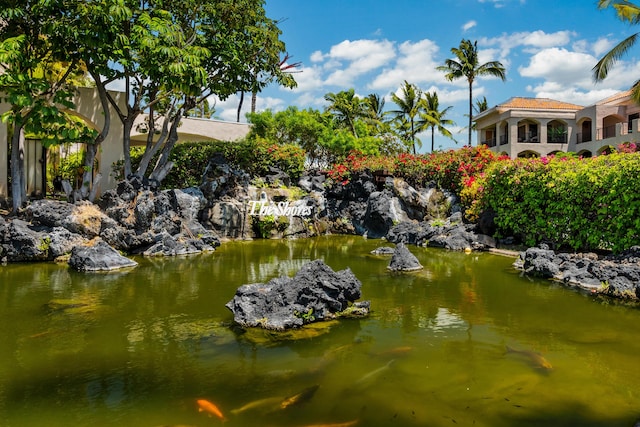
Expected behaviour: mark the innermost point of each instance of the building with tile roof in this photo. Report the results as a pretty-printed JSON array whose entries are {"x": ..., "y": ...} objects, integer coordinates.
[{"x": 526, "y": 127}]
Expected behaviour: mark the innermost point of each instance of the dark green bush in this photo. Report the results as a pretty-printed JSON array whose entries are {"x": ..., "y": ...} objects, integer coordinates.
[{"x": 191, "y": 158}]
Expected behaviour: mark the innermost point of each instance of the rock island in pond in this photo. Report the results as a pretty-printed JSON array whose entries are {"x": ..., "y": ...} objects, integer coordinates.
[{"x": 315, "y": 293}]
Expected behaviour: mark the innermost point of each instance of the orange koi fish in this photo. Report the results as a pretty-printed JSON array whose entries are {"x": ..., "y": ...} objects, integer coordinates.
[{"x": 210, "y": 408}]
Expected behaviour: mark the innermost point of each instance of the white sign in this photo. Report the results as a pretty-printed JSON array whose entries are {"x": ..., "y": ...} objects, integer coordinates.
[{"x": 278, "y": 209}]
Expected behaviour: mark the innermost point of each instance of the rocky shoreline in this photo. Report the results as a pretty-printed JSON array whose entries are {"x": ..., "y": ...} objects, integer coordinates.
[{"x": 137, "y": 220}]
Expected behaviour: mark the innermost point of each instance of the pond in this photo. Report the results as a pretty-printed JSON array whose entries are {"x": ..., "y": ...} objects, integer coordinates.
[{"x": 466, "y": 341}]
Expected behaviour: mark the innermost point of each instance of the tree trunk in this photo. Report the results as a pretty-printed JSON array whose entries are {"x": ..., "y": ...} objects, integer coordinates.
[
  {"x": 17, "y": 168},
  {"x": 433, "y": 137},
  {"x": 240, "y": 106},
  {"x": 126, "y": 145},
  {"x": 151, "y": 150},
  {"x": 413, "y": 138},
  {"x": 163, "y": 166},
  {"x": 87, "y": 177},
  {"x": 470, "y": 109},
  {"x": 254, "y": 97},
  {"x": 92, "y": 149}
]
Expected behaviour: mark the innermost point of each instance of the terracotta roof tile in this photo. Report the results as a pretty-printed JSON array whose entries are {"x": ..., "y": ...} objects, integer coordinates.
[
  {"x": 537, "y": 104},
  {"x": 615, "y": 97}
]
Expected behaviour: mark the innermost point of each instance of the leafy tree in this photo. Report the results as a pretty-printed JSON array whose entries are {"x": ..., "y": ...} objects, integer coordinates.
[
  {"x": 407, "y": 114},
  {"x": 434, "y": 118},
  {"x": 304, "y": 128},
  {"x": 35, "y": 62},
  {"x": 466, "y": 65},
  {"x": 627, "y": 12},
  {"x": 172, "y": 55}
]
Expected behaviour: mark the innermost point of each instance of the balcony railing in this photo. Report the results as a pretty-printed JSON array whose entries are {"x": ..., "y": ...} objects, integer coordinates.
[
  {"x": 490, "y": 142},
  {"x": 557, "y": 139},
  {"x": 583, "y": 137}
]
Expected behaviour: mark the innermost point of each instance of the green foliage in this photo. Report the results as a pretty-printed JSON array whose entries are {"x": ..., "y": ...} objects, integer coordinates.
[
  {"x": 72, "y": 167},
  {"x": 307, "y": 317},
  {"x": 45, "y": 244},
  {"x": 263, "y": 225},
  {"x": 191, "y": 158},
  {"x": 323, "y": 136},
  {"x": 582, "y": 204}
]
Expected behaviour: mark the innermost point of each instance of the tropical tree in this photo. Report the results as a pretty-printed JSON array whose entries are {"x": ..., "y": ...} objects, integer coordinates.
[
  {"x": 172, "y": 56},
  {"x": 346, "y": 107},
  {"x": 467, "y": 65},
  {"x": 36, "y": 64},
  {"x": 627, "y": 12},
  {"x": 434, "y": 118},
  {"x": 481, "y": 105},
  {"x": 409, "y": 105}
]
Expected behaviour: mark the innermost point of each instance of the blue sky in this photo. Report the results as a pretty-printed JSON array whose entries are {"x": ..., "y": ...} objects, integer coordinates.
[{"x": 547, "y": 46}]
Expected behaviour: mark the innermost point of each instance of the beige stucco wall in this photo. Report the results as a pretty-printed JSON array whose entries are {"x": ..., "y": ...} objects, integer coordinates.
[{"x": 89, "y": 108}]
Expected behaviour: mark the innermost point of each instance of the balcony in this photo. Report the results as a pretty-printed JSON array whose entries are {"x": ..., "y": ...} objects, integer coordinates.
[
  {"x": 490, "y": 142},
  {"x": 583, "y": 137},
  {"x": 557, "y": 139}
]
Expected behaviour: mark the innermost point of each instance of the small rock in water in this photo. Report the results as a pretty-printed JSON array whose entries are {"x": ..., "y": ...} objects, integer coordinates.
[{"x": 403, "y": 260}]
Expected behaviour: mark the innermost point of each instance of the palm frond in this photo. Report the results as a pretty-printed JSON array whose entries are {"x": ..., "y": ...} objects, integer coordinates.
[
  {"x": 601, "y": 69},
  {"x": 635, "y": 92}
]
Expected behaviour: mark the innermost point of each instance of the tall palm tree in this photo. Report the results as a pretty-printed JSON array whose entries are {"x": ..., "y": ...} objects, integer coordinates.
[
  {"x": 346, "y": 107},
  {"x": 408, "y": 110},
  {"x": 630, "y": 13},
  {"x": 434, "y": 118},
  {"x": 467, "y": 65}
]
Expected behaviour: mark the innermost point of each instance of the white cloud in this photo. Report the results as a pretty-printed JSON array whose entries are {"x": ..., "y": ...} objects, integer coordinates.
[
  {"x": 469, "y": 25},
  {"x": 269, "y": 103},
  {"x": 561, "y": 66},
  {"x": 501, "y": 3},
  {"x": 317, "y": 56},
  {"x": 602, "y": 45},
  {"x": 362, "y": 56},
  {"x": 309, "y": 78},
  {"x": 416, "y": 63},
  {"x": 311, "y": 100},
  {"x": 534, "y": 40}
]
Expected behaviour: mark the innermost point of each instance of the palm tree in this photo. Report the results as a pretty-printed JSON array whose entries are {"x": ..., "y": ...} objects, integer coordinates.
[
  {"x": 346, "y": 107},
  {"x": 481, "y": 105},
  {"x": 434, "y": 118},
  {"x": 408, "y": 110},
  {"x": 467, "y": 66},
  {"x": 628, "y": 12}
]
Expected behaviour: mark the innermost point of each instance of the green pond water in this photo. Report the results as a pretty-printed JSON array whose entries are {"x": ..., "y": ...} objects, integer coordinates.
[{"x": 141, "y": 347}]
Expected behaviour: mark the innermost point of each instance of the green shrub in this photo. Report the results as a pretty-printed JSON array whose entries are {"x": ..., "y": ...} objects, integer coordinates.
[
  {"x": 582, "y": 204},
  {"x": 191, "y": 158}
]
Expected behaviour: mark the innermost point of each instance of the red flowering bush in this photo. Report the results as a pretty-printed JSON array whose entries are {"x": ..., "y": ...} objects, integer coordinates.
[{"x": 450, "y": 170}]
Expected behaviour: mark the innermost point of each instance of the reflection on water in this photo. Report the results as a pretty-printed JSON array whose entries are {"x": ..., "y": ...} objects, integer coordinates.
[{"x": 466, "y": 341}]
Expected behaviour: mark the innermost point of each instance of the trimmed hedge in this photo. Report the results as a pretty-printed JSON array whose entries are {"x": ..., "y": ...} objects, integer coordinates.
[{"x": 582, "y": 204}]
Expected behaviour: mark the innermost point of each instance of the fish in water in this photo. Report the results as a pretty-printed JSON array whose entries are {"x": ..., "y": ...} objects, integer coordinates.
[
  {"x": 367, "y": 378},
  {"x": 301, "y": 397},
  {"x": 536, "y": 359},
  {"x": 269, "y": 402},
  {"x": 210, "y": 408},
  {"x": 345, "y": 424}
]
